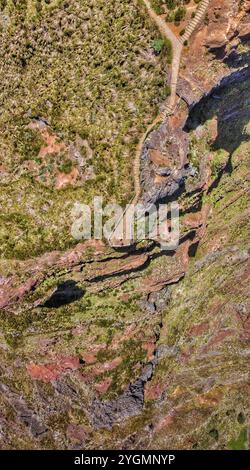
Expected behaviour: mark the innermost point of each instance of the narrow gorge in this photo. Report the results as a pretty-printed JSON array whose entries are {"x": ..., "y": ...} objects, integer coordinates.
[{"x": 124, "y": 347}]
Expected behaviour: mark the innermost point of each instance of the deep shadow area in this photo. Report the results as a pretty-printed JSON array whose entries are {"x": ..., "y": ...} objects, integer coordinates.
[
  {"x": 229, "y": 102},
  {"x": 228, "y": 168},
  {"x": 235, "y": 59},
  {"x": 66, "y": 293}
]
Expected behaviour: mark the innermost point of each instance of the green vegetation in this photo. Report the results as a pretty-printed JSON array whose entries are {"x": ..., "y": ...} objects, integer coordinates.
[
  {"x": 158, "y": 45},
  {"x": 240, "y": 442},
  {"x": 164, "y": 47},
  {"x": 175, "y": 9},
  {"x": 88, "y": 69}
]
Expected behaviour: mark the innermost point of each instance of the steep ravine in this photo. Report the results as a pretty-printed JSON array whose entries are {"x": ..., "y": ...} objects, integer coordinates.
[
  {"x": 192, "y": 391},
  {"x": 136, "y": 347}
]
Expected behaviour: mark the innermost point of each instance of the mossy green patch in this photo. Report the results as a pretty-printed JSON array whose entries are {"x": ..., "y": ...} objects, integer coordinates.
[{"x": 240, "y": 442}]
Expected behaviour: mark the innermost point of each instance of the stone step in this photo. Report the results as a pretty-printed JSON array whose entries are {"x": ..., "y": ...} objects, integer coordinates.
[
  {"x": 196, "y": 20},
  {"x": 168, "y": 111}
]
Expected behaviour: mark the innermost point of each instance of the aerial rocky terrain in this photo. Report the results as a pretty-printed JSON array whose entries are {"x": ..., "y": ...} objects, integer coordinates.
[{"x": 130, "y": 347}]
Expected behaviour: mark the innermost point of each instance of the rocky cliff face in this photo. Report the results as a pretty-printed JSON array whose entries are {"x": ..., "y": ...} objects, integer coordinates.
[{"x": 137, "y": 347}]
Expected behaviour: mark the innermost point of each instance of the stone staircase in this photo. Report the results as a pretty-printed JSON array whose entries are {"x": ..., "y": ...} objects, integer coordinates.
[
  {"x": 200, "y": 13},
  {"x": 168, "y": 111}
]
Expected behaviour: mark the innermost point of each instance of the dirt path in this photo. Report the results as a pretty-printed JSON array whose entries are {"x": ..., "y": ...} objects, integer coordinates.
[{"x": 177, "y": 46}]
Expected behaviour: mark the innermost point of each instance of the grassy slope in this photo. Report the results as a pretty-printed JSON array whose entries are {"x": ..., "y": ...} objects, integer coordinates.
[{"x": 87, "y": 68}]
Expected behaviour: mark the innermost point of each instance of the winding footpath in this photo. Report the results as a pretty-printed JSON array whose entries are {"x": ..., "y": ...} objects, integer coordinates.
[
  {"x": 177, "y": 43},
  {"x": 177, "y": 50},
  {"x": 177, "y": 47}
]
